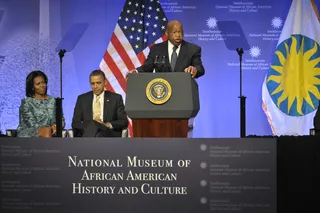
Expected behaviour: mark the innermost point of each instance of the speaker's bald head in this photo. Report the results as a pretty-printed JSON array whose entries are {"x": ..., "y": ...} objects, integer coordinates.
[{"x": 175, "y": 32}]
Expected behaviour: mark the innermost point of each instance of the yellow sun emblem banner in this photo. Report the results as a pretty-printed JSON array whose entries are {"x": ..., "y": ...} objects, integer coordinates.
[{"x": 291, "y": 89}]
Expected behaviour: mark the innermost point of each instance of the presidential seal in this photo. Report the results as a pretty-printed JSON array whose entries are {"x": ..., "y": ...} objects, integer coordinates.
[{"x": 158, "y": 91}]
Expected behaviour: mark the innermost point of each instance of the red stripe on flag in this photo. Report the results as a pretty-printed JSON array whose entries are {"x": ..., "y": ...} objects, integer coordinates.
[
  {"x": 152, "y": 44},
  {"x": 130, "y": 129},
  {"x": 141, "y": 57},
  {"x": 164, "y": 37},
  {"x": 108, "y": 85},
  {"x": 122, "y": 52},
  {"x": 115, "y": 70}
]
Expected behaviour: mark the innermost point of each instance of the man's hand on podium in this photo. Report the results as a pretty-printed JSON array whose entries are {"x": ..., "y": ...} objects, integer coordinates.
[
  {"x": 131, "y": 71},
  {"x": 192, "y": 70}
]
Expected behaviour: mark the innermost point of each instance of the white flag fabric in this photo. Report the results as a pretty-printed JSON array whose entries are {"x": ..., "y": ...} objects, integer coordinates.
[{"x": 291, "y": 88}]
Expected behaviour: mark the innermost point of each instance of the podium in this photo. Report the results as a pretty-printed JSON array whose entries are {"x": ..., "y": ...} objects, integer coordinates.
[{"x": 161, "y": 104}]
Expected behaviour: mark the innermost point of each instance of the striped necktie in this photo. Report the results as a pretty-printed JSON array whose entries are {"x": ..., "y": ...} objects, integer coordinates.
[{"x": 97, "y": 108}]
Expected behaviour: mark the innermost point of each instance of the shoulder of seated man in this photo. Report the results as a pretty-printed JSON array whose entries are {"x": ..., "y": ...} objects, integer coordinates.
[{"x": 112, "y": 93}]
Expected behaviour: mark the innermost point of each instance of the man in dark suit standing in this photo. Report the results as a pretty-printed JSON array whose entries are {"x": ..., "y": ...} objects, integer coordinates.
[
  {"x": 99, "y": 113},
  {"x": 178, "y": 55}
]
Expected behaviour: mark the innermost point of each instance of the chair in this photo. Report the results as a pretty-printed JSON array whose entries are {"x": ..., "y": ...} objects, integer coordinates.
[
  {"x": 14, "y": 132},
  {"x": 124, "y": 133},
  {"x": 314, "y": 131},
  {"x": 11, "y": 132}
]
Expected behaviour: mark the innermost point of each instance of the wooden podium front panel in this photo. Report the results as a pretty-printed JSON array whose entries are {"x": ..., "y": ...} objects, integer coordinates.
[{"x": 160, "y": 128}]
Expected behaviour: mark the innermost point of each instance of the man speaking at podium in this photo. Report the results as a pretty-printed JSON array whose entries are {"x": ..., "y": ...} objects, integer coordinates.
[{"x": 175, "y": 55}]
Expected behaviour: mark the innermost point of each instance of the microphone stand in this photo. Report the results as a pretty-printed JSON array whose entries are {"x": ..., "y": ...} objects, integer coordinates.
[
  {"x": 156, "y": 64},
  {"x": 59, "y": 100},
  {"x": 242, "y": 99},
  {"x": 160, "y": 63}
]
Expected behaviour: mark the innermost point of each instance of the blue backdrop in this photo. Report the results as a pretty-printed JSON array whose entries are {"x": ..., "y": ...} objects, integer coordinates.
[{"x": 28, "y": 42}]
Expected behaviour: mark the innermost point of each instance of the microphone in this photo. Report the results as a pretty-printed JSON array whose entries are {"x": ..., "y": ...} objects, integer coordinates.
[
  {"x": 155, "y": 63},
  {"x": 163, "y": 59},
  {"x": 156, "y": 60},
  {"x": 159, "y": 63}
]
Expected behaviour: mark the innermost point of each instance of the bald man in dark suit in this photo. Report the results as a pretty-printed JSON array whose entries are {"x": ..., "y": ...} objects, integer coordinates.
[{"x": 178, "y": 55}]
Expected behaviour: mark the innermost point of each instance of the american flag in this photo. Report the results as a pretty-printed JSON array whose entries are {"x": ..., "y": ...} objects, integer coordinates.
[{"x": 141, "y": 24}]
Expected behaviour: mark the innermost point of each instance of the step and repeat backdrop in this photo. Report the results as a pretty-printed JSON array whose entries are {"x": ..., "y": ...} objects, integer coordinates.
[{"x": 28, "y": 41}]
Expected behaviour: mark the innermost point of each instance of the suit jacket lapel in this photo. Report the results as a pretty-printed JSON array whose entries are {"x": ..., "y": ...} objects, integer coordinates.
[
  {"x": 182, "y": 55},
  {"x": 107, "y": 109},
  {"x": 90, "y": 102},
  {"x": 166, "y": 56},
  {"x": 166, "y": 51}
]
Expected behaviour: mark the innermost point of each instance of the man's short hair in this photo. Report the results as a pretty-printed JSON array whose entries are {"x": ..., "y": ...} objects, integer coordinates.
[{"x": 96, "y": 73}]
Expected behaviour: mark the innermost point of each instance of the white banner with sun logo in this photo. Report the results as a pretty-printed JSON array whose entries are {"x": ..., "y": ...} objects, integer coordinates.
[{"x": 291, "y": 89}]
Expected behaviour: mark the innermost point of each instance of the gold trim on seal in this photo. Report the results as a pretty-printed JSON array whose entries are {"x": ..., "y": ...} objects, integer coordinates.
[{"x": 158, "y": 91}]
